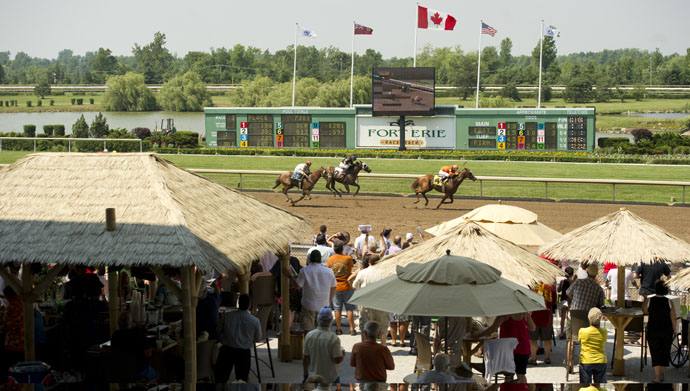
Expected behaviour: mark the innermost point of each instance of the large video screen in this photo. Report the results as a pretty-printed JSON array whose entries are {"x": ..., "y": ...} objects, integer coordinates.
[{"x": 403, "y": 91}]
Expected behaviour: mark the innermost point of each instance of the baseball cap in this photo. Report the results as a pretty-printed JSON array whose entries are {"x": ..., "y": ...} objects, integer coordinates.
[{"x": 325, "y": 314}]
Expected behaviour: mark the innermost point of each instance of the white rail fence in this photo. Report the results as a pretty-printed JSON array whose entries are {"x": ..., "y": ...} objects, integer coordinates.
[{"x": 614, "y": 183}]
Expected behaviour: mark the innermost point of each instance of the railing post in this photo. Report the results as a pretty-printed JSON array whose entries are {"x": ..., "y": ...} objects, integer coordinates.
[
  {"x": 614, "y": 191},
  {"x": 69, "y": 145},
  {"x": 239, "y": 185},
  {"x": 34, "y": 145},
  {"x": 682, "y": 197},
  {"x": 546, "y": 190},
  {"x": 0, "y": 145},
  {"x": 141, "y": 145},
  {"x": 104, "y": 146},
  {"x": 481, "y": 188}
]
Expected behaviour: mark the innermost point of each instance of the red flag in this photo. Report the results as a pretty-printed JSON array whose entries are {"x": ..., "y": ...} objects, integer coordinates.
[
  {"x": 363, "y": 30},
  {"x": 432, "y": 19}
]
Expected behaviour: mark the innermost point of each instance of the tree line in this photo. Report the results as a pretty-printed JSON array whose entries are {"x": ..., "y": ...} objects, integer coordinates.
[{"x": 454, "y": 66}]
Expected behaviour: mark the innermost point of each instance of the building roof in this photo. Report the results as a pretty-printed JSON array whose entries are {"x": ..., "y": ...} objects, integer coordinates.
[{"x": 52, "y": 210}]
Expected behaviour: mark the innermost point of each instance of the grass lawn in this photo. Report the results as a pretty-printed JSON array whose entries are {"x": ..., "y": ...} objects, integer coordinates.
[
  {"x": 61, "y": 103},
  {"x": 483, "y": 168}
]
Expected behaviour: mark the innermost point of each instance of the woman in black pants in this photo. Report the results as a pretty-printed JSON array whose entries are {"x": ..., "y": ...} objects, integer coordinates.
[{"x": 661, "y": 329}]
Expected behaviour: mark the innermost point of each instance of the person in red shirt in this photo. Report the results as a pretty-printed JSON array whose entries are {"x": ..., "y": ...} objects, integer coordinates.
[
  {"x": 370, "y": 359},
  {"x": 543, "y": 321},
  {"x": 516, "y": 326}
]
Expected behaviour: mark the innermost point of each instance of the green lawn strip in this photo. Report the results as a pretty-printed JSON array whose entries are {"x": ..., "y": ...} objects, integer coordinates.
[
  {"x": 615, "y": 107},
  {"x": 7, "y": 157},
  {"x": 610, "y": 122},
  {"x": 484, "y": 168}
]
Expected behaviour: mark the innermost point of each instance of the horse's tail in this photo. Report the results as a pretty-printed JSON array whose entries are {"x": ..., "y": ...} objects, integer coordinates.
[
  {"x": 277, "y": 183},
  {"x": 415, "y": 184}
]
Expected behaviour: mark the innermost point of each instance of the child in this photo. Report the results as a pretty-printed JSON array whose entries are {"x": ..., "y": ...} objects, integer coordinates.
[{"x": 592, "y": 356}]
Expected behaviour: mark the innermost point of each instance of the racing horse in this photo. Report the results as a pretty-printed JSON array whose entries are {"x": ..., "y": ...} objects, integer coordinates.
[
  {"x": 285, "y": 179},
  {"x": 426, "y": 183},
  {"x": 348, "y": 178}
]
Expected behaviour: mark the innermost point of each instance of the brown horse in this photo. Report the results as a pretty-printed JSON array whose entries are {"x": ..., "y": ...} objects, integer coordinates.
[
  {"x": 349, "y": 179},
  {"x": 425, "y": 184},
  {"x": 308, "y": 184}
]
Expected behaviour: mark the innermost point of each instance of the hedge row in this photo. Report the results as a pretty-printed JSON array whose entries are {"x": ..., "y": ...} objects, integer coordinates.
[{"x": 576, "y": 157}]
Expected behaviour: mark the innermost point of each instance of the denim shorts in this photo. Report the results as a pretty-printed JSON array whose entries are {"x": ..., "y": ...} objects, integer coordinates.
[
  {"x": 341, "y": 300},
  {"x": 592, "y": 373}
]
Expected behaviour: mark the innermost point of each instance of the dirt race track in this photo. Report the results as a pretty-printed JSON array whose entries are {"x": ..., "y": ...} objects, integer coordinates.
[{"x": 400, "y": 214}]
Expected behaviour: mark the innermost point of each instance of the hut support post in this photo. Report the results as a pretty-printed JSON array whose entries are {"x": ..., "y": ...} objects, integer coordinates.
[
  {"x": 620, "y": 300},
  {"x": 284, "y": 348},
  {"x": 243, "y": 282},
  {"x": 28, "y": 302},
  {"x": 113, "y": 299},
  {"x": 188, "y": 324}
]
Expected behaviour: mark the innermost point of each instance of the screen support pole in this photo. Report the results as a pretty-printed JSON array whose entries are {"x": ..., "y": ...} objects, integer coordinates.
[{"x": 401, "y": 123}]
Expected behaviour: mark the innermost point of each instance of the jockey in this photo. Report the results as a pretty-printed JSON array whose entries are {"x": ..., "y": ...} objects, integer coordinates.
[
  {"x": 447, "y": 171},
  {"x": 300, "y": 172},
  {"x": 346, "y": 163}
]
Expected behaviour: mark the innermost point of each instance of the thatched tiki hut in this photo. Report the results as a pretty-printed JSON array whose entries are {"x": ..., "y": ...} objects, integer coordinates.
[
  {"x": 621, "y": 237},
  {"x": 52, "y": 211},
  {"x": 473, "y": 241}
]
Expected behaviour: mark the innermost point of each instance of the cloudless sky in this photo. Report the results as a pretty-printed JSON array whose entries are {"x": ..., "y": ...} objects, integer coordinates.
[{"x": 44, "y": 27}]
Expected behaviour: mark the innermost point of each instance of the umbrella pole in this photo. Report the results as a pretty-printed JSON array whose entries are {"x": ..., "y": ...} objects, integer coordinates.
[
  {"x": 28, "y": 302},
  {"x": 188, "y": 320},
  {"x": 446, "y": 326},
  {"x": 284, "y": 343},
  {"x": 620, "y": 300},
  {"x": 113, "y": 299}
]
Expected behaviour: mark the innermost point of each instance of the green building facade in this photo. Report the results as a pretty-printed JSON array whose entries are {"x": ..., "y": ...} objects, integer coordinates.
[{"x": 550, "y": 129}]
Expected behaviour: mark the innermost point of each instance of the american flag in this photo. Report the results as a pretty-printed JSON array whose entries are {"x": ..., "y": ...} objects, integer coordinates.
[{"x": 486, "y": 29}]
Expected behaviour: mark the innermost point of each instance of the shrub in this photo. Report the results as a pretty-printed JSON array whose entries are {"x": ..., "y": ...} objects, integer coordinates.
[
  {"x": 58, "y": 130},
  {"x": 1, "y": 102},
  {"x": 48, "y": 130},
  {"x": 39, "y": 103},
  {"x": 638, "y": 93},
  {"x": 185, "y": 139},
  {"x": 80, "y": 101},
  {"x": 52, "y": 102},
  {"x": 28, "y": 103},
  {"x": 29, "y": 130},
  {"x": 80, "y": 129},
  {"x": 128, "y": 92},
  {"x": 73, "y": 101},
  {"x": 185, "y": 92},
  {"x": 42, "y": 89},
  {"x": 99, "y": 127},
  {"x": 510, "y": 91},
  {"x": 578, "y": 90},
  {"x": 641, "y": 134},
  {"x": 91, "y": 101},
  {"x": 546, "y": 93},
  {"x": 141, "y": 133}
]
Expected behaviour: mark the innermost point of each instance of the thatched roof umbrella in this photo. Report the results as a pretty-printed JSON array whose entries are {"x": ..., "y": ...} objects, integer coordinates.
[
  {"x": 471, "y": 240},
  {"x": 681, "y": 280},
  {"x": 52, "y": 211},
  {"x": 509, "y": 222}
]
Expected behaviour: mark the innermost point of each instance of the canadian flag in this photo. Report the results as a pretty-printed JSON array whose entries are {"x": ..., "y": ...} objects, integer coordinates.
[{"x": 428, "y": 18}]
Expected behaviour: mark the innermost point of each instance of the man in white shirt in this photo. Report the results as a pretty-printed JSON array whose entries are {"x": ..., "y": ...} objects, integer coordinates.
[
  {"x": 612, "y": 280},
  {"x": 323, "y": 247},
  {"x": 360, "y": 246},
  {"x": 318, "y": 288},
  {"x": 322, "y": 350},
  {"x": 238, "y": 332},
  {"x": 364, "y": 277}
]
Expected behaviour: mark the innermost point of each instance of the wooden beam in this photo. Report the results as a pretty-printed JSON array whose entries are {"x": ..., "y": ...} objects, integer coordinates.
[
  {"x": 169, "y": 283},
  {"x": 284, "y": 342},
  {"x": 198, "y": 285},
  {"x": 10, "y": 279},
  {"x": 28, "y": 303},
  {"x": 189, "y": 323},
  {"x": 113, "y": 299},
  {"x": 243, "y": 282},
  {"x": 47, "y": 280},
  {"x": 620, "y": 300}
]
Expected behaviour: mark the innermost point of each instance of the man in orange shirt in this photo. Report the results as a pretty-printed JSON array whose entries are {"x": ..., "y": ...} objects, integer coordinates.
[
  {"x": 342, "y": 265},
  {"x": 370, "y": 359},
  {"x": 447, "y": 171}
]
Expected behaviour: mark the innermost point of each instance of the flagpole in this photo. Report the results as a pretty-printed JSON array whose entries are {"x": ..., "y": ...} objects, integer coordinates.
[
  {"x": 294, "y": 66},
  {"x": 414, "y": 54},
  {"x": 541, "y": 50},
  {"x": 479, "y": 63},
  {"x": 352, "y": 63}
]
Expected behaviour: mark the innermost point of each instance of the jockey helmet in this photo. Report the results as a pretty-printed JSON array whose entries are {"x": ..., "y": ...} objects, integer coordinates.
[
  {"x": 454, "y": 167},
  {"x": 308, "y": 162}
]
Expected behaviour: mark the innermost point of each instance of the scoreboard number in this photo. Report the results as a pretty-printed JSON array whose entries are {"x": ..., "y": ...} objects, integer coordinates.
[{"x": 501, "y": 145}]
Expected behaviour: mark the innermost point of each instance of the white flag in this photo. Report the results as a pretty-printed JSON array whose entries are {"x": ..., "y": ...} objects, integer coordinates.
[
  {"x": 551, "y": 31},
  {"x": 307, "y": 33}
]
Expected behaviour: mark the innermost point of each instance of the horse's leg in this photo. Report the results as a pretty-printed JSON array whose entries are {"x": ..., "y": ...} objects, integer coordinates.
[
  {"x": 426, "y": 200},
  {"x": 293, "y": 202},
  {"x": 285, "y": 191},
  {"x": 443, "y": 201},
  {"x": 356, "y": 191},
  {"x": 417, "y": 194},
  {"x": 347, "y": 188},
  {"x": 451, "y": 198}
]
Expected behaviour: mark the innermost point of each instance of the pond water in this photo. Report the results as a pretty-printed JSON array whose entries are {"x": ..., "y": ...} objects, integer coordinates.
[{"x": 152, "y": 119}]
